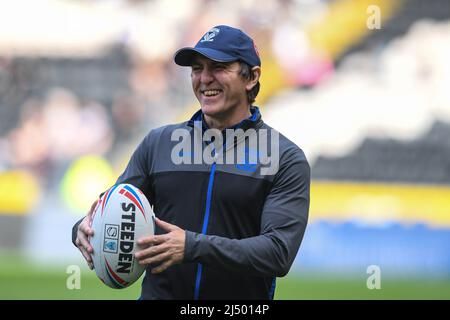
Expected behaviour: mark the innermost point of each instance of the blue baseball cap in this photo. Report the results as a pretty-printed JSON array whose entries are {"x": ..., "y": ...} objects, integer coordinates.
[{"x": 222, "y": 44}]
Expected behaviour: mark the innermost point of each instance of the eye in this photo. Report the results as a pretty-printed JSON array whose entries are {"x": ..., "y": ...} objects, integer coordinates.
[{"x": 196, "y": 68}]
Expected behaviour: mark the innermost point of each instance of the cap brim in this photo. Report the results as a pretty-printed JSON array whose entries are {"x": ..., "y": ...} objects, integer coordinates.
[{"x": 184, "y": 57}]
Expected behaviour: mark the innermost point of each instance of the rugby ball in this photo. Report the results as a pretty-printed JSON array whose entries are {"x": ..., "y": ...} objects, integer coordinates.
[{"x": 122, "y": 216}]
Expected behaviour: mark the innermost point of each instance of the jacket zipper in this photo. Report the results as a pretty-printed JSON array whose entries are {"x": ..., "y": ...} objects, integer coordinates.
[{"x": 205, "y": 226}]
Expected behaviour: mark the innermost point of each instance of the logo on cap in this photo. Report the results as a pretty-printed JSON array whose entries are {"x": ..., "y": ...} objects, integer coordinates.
[{"x": 209, "y": 36}]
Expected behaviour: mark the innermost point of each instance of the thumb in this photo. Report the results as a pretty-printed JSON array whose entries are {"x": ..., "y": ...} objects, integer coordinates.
[
  {"x": 91, "y": 210},
  {"x": 165, "y": 225}
]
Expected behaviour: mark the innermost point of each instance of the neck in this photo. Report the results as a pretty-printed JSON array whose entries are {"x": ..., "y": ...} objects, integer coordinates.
[{"x": 225, "y": 121}]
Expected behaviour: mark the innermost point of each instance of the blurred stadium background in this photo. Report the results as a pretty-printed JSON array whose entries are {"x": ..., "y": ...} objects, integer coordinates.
[{"x": 81, "y": 83}]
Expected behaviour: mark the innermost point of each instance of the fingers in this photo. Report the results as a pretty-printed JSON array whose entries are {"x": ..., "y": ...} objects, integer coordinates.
[
  {"x": 82, "y": 238},
  {"x": 162, "y": 267},
  {"x": 152, "y": 240},
  {"x": 150, "y": 252},
  {"x": 82, "y": 242},
  {"x": 87, "y": 256},
  {"x": 92, "y": 208},
  {"x": 85, "y": 229},
  {"x": 160, "y": 257},
  {"x": 83, "y": 234},
  {"x": 166, "y": 249},
  {"x": 84, "y": 226},
  {"x": 165, "y": 225}
]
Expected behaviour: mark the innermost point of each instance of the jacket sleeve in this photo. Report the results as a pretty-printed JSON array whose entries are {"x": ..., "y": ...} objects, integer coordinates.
[
  {"x": 136, "y": 173},
  {"x": 283, "y": 223}
]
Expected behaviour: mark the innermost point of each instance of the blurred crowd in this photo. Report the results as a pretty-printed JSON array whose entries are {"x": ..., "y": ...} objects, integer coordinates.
[
  {"x": 59, "y": 102},
  {"x": 394, "y": 94},
  {"x": 103, "y": 89}
]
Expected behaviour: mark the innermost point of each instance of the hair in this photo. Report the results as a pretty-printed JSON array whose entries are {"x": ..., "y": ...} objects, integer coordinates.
[{"x": 246, "y": 73}]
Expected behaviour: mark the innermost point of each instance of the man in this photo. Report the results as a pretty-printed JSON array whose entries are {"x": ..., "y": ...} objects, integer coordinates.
[{"x": 225, "y": 230}]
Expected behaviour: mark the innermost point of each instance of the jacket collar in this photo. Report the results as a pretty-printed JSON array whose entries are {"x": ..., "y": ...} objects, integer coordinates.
[{"x": 254, "y": 121}]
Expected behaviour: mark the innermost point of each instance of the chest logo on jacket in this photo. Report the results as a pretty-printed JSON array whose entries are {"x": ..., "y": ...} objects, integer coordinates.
[{"x": 248, "y": 150}]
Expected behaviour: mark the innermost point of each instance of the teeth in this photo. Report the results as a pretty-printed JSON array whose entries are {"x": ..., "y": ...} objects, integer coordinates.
[{"x": 209, "y": 93}]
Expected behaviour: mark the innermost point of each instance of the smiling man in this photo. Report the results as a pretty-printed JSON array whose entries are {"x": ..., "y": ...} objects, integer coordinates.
[
  {"x": 225, "y": 230},
  {"x": 221, "y": 90}
]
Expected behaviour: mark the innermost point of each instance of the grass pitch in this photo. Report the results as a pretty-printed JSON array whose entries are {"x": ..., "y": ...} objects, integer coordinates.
[{"x": 19, "y": 280}]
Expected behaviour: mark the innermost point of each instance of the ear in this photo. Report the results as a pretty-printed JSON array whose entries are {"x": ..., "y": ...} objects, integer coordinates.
[{"x": 256, "y": 74}]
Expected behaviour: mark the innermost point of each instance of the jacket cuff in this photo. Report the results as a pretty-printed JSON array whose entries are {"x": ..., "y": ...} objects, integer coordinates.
[
  {"x": 192, "y": 246},
  {"x": 74, "y": 231}
]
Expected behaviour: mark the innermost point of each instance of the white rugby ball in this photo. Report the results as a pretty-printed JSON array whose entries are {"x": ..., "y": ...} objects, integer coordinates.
[{"x": 122, "y": 216}]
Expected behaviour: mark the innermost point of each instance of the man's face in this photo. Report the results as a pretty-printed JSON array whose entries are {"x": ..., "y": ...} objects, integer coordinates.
[{"x": 218, "y": 86}]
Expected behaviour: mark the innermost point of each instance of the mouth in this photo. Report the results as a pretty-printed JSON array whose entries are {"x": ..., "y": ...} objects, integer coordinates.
[{"x": 210, "y": 92}]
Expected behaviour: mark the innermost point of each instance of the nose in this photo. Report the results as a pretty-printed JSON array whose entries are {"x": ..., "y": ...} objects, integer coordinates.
[{"x": 206, "y": 76}]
